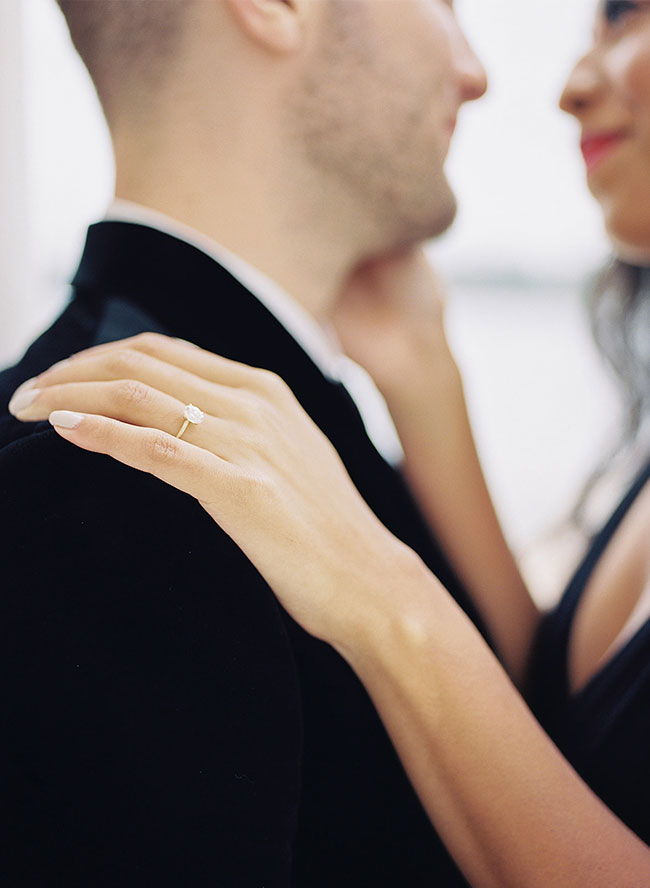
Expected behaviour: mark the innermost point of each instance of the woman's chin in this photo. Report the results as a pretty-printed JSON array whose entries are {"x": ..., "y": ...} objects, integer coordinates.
[
  {"x": 631, "y": 242},
  {"x": 633, "y": 253}
]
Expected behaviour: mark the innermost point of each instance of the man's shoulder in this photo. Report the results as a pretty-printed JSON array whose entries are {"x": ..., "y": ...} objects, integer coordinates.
[
  {"x": 86, "y": 535},
  {"x": 94, "y": 524},
  {"x": 47, "y": 482},
  {"x": 84, "y": 322},
  {"x": 44, "y": 477}
]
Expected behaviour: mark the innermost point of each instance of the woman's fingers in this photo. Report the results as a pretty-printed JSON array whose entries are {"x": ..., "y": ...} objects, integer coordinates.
[
  {"x": 133, "y": 402},
  {"x": 130, "y": 374},
  {"x": 120, "y": 362},
  {"x": 178, "y": 369},
  {"x": 176, "y": 352},
  {"x": 191, "y": 469},
  {"x": 131, "y": 385}
]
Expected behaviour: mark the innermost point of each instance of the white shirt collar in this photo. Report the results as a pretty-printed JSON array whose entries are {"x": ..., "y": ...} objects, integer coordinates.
[{"x": 320, "y": 345}]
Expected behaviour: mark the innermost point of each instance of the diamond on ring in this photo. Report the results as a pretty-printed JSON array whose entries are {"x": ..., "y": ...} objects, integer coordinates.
[{"x": 193, "y": 414}]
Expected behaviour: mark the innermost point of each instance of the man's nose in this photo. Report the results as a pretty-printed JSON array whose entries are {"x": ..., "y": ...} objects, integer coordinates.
[{"x": 471, "y": 73}]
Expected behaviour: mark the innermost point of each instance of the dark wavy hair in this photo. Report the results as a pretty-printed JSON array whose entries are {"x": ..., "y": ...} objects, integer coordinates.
[{"x": 619, "y": 312}]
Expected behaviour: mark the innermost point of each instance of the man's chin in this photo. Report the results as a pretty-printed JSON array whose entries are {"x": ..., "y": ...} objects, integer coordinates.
[
  {"x": 446, "y": 216},
  {"x": 428, "y": 214},
  {"x": 436, "y": 221}
]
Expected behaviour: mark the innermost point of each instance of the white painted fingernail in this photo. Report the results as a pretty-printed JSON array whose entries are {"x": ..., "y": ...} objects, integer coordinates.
[
  {"x": 22, "y": 398},
  {"x": 66, "y": 419}
]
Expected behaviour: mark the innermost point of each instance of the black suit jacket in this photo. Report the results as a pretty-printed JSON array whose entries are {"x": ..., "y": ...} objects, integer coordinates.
[{"x": 165, "y": 723}]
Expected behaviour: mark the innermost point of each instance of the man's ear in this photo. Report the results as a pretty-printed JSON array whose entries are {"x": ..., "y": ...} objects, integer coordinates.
[{"x": 274, "y": 24}]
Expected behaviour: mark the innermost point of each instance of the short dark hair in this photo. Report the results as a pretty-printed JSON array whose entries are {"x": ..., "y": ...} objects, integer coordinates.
[{"x": 127, "y": 46}]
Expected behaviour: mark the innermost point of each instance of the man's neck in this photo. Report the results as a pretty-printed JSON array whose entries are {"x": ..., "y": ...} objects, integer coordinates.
[{"x": 291, "y": 251}]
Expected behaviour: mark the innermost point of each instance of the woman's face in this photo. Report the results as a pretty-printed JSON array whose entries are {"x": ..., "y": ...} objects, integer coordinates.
[{"x": 609, "y": 93}]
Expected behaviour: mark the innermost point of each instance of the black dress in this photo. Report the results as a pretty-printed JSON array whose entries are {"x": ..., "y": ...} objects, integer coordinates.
[
  {"x": 603, "y": 729},
  {"x": 162, "y": 720}
]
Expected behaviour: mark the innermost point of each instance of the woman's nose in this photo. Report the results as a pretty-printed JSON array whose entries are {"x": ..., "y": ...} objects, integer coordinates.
[{"x": 582, "y": 88}]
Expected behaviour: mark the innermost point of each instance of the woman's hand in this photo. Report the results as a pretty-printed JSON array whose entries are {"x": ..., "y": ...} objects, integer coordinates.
[
  {"x": 390, "y": 319},
  {"x": 258, "y": 465}
]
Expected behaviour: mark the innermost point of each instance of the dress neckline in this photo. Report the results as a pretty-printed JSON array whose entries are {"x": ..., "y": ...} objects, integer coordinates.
[{"x": 578, "y": 585}]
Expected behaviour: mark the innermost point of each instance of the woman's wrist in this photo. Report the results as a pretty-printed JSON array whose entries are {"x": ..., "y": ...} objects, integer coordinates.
[
  {"x": 431, "y": 385},
  {"x": 390, "y": 610}
]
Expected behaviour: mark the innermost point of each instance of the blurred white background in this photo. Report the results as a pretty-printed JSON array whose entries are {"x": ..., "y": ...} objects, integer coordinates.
[{"x": 526, "y": 236}]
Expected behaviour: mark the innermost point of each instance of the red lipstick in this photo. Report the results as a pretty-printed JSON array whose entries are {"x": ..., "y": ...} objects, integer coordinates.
[{"x": 597, "y": 147}]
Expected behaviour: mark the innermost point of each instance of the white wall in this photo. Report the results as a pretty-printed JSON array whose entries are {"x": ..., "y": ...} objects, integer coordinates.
[
  {"x": 67, "y": 161},
  {"x": 14, "y": 305}
]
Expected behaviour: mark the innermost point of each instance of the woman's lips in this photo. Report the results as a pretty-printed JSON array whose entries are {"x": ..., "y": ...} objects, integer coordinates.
[{"x": 597, "y": 147}]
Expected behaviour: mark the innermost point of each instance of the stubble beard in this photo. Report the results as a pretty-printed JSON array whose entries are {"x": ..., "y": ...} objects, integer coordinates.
[{"x": 365, "y": 140}]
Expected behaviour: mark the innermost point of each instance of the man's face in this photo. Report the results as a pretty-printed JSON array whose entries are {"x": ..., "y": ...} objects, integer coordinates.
[{"x": 376, "y": 108}]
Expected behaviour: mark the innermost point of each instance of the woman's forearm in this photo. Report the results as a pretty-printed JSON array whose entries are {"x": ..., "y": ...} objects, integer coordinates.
[
  {"x": 444, "y": 472},
  {"x": 509, "y": 807},
  {"x": 390, "y": 319}
]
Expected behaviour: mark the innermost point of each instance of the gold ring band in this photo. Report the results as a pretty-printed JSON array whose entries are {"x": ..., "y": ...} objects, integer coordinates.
[{"x": 183, "y": 427}]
